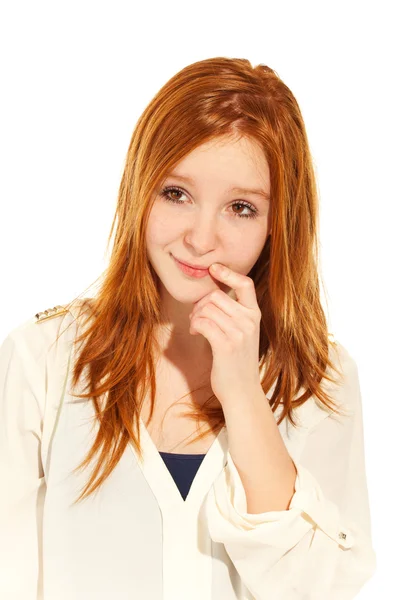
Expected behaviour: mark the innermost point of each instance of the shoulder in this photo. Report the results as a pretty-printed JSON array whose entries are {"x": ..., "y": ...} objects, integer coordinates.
[
  {"x": 34, "y": 359},
  {"x": 344, "y": 360},
  {"x": 343, "y": 391},
  {"x": 35, "y": 356},
  {"x": 46, "y": 329}
]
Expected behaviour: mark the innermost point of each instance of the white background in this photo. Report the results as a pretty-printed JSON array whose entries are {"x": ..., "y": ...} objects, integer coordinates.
[{"x": 77, "y": 75}]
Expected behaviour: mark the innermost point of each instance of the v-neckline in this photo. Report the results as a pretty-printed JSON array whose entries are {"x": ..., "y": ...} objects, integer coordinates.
[{"x": 161, "y": 481}]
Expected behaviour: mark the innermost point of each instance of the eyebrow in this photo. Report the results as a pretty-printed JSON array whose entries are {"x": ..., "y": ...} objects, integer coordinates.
[{"x": 236, "y": 189}]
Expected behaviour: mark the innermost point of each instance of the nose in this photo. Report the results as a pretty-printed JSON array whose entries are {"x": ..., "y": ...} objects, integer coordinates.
[{"x": 202, "y": 233}]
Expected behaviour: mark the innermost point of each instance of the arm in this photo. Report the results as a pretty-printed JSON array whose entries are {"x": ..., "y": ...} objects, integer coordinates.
[
  {"x": 21, "y": 473},
  {"x": 265, "y": 467},
  {"x": 320, "y": 547}
]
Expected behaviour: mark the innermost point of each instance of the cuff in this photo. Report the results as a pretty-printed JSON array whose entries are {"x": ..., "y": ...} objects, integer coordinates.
[{"x": 228, "y": 517}]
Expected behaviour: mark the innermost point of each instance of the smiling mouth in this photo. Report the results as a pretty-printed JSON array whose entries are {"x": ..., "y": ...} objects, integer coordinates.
[{"x": 191, "y": 266}]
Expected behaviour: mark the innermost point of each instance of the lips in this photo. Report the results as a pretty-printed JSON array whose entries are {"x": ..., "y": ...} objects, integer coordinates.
[{"x": 192, "y": 266}]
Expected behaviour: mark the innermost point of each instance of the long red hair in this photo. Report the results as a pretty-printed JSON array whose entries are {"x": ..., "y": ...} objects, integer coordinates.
[{"x": 205, "y": 100}]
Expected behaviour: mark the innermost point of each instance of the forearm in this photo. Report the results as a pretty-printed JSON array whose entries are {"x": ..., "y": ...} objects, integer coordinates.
[{"x": 256, "y": 446}]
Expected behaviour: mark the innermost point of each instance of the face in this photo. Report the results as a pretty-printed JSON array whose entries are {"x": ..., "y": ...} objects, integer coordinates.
[{"x": 197, "y": 217}]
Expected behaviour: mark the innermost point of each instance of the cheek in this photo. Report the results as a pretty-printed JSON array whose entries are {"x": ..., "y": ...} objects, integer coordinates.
[
  {"x": 244, "y": 253},
  {"x": 160, "y": 229}
]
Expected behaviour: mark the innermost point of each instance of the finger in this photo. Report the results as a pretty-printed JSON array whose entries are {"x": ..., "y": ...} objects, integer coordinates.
[
  {"x": 242, "y": 285},
  {"x": 227, "y": 325},
  {"x": 220, "y": 299},
  {"x": 210, "y": 331}
]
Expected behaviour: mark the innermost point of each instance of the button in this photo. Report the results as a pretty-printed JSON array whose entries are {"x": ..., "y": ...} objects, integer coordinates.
[{"x": 345, "y": 538}]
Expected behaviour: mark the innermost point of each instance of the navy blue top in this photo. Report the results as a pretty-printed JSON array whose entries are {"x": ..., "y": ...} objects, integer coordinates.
[{"x": 183, "y": 468}]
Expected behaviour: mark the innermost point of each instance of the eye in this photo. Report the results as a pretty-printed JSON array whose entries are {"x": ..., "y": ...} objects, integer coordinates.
[
  {"x": 168, "y": 190},
  {"x": 252, "y": 214}
]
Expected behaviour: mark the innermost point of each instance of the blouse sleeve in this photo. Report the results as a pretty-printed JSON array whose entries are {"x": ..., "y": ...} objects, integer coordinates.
[
  {"x": 22, "y": 478},
  {"x": 321, "y": 546}
]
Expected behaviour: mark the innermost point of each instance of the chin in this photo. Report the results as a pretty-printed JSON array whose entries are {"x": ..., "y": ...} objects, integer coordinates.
[{"x": 184, "y": 294}]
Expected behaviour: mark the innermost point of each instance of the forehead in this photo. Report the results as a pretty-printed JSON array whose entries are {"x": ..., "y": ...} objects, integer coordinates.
[{"x": 237, "y": 164}]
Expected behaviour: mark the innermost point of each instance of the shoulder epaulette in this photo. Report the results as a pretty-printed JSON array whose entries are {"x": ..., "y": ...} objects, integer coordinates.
[
  {"x": 49, "y": 313},
  {"x": 331, "y": 338}
]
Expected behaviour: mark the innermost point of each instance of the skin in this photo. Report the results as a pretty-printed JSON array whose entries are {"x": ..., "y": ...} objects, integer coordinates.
[{"x": 203, "y": 230}]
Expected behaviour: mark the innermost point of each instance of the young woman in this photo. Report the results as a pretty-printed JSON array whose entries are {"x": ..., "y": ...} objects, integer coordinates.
[{"x": 192, "y": 431}]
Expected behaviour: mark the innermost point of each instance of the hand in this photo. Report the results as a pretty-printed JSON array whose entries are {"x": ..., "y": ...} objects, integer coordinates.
[{"x": 232, "y": 327}]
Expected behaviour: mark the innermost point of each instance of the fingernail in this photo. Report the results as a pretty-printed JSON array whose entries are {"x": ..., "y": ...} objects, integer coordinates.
[{"x": 222, "y": 270}]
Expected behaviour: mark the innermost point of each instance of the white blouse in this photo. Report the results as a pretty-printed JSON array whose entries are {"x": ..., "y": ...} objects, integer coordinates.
[{"x": 136, "y": 537}]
